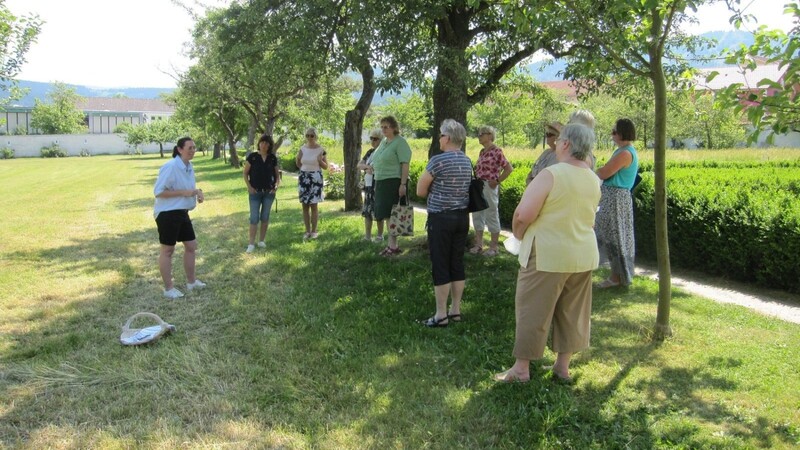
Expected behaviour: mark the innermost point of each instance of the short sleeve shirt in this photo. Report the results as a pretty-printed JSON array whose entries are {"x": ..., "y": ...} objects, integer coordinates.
[
  {"x": 174, "y": 176},
  {"x": 490, "y": 162},
  {"x": 262, "y": 171},
  {"x": 388, "y": 157},
  {"x": 449, "y": 191}
]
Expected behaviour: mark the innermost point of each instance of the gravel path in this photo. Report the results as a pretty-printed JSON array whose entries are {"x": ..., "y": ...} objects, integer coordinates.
[{"x": 772, "y": 303}]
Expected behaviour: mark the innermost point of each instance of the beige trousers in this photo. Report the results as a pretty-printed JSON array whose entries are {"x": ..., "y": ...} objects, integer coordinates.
[{"x": 542, "y": 298}]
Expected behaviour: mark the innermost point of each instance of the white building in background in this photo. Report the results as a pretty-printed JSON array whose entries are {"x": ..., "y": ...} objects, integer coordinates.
[{"x": 102, "y": 115}]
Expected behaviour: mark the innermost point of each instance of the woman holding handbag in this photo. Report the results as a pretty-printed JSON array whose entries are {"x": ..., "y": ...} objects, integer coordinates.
[
  {"x": 492, "y": 168},
  {"x": 368, "y": 211},
  {"x": 390, "y": 165},
  {"x": 445, "y": 182}
]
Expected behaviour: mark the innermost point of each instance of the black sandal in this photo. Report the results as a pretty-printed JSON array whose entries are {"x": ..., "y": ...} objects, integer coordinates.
[
  {"x": 454, "y": 317},
  {"x": 433, "y": 322}
]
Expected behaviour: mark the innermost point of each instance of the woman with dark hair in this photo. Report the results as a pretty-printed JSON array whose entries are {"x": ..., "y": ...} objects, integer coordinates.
[
  {"x": 446, "y": 184},
  {"x": 176, "y": 193},
  {"x": 615, "y": 217},
  {"x": 390, "y": 165},
  {"x": 311, "y": 160},
  {"x": 262, "y": 178}
]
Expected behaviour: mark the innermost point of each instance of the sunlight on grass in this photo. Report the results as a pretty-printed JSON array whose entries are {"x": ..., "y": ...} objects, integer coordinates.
[{"x": 318, "y": 344}]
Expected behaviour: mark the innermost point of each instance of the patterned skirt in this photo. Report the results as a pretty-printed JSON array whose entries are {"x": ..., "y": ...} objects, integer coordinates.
[
  {"x": 309, "y": 187},
  {"x": 614, "y": 230},
  {"x": 369, "y": 202}
]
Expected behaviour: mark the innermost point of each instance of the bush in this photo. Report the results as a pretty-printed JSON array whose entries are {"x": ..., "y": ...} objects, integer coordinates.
[
  {"x": 334, "y": 185},
  {"x": 85, "y": 152},
  {"x": 6, "y": 153},
  {"x": 53, "y": 151},
  {"x": 741, "y": 223}
]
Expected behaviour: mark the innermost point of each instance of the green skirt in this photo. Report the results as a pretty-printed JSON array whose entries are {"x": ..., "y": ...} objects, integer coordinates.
[{"x": 385, "y": 196}]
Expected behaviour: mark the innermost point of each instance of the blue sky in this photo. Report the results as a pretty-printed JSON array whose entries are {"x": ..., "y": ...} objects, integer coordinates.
[{"x": 110, "y": 43}]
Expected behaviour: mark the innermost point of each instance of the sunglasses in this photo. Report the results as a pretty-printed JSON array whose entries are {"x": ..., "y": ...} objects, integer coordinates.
[
  {"x": 311, "y": 136},
  {"x": 550, "y": 135},
  {"x": 442, "y": 135},
  {"x": 374, "y": 139}
]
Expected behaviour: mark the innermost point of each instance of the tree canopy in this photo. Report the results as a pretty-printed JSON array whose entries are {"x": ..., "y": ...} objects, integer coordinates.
[{"x": 17, "y": 33}]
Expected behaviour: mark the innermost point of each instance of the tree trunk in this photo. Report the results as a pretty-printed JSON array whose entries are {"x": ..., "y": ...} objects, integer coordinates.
[
  {"x": 251, "y": 136},
  {"x": 662, "y": 328},
  {"x": 450, "y": 89},
  {"x": 353, "y": 129},
  {"x": 217, "y": 152},
  {"x": 161, "y": 149}
]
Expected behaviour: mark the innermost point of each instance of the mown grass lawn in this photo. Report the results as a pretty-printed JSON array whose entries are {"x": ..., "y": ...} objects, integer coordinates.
[{"x": 317, "y": 344}]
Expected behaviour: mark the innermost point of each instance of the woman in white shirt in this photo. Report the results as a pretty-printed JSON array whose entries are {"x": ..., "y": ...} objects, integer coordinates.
[{"x": 311, "y": 161}]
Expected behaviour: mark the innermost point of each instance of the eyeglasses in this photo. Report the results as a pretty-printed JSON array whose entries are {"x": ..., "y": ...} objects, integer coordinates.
[
  {"x": 385, "y": 127},
  {"x": 442, "y": 135},
  {"x": 311, "y": 136},
  {"x": 375, "y": 139},
  {"x": 550, "y": 135}
]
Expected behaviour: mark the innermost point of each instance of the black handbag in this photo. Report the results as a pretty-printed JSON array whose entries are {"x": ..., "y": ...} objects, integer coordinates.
[{"x": 477, "y": 202}]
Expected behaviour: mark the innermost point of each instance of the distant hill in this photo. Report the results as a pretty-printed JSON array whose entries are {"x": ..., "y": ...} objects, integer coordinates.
[
  {"x": 40, "y": 90},
  {"x": 542, "y": 71}
]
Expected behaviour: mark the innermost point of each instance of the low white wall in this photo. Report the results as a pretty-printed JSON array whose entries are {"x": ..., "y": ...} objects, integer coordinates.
[{"x": 28, "y": 146}]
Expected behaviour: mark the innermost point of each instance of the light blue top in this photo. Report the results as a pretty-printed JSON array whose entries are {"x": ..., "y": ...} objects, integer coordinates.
[
  {"x": 624, "y": 177},
  {"x": 174, "y": 176}
]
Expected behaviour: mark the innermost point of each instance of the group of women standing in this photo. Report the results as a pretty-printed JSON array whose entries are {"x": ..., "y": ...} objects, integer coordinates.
[{"x": 568, "y": 220}]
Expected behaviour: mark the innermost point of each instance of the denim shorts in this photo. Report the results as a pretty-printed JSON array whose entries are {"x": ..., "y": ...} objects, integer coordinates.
[{"x": 260, "y": 205}]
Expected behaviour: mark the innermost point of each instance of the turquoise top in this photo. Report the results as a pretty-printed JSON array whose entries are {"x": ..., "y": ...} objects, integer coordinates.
[{"x": 624, "y": 177}]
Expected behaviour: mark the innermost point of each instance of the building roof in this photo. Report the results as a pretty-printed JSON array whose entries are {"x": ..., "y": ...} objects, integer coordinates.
[
  {"x": 734, "y": 74},
  {"x": 563, "y": 86},
  {"x": 124, "y": 104}
]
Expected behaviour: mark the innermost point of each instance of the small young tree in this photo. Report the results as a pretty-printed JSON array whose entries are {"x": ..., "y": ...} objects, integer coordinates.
[
  {"x": 16, "y": 34},
  {"x": 61, "y": 115}
]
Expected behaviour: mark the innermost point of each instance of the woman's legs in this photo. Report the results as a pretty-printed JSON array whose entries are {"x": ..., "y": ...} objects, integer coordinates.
[
  {"x": 165, "y": 265},
  {"x": 314, "y": 217},
  {"x": 380, "y": 227},
  {"x": 495, "y": 238},
  {"x": 307, "y": 217},
  {"x": 189, "y": 256}
]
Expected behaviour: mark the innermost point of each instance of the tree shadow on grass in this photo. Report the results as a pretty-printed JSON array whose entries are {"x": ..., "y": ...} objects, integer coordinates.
[{"x": 313, "y": 339}]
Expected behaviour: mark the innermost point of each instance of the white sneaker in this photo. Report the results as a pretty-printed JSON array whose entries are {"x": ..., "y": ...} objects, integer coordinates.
[
  {"x": 173, "y": 293},
  {"x": 250, "y": 248},
  {"x": 313, "y": 235},
  {"x": 196, "y": 285},
  {"x": 262, "y": 244}
]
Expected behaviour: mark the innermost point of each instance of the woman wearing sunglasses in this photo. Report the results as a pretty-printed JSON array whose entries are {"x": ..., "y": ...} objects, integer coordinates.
[
  {"x": 311, "y": 161},
  {"x": 368, "y": 211},
  {"x": 548, "y": 156}
]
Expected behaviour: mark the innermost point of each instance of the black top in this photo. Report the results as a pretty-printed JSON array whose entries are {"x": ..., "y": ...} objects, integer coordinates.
[{"x": 262, "y": 172}]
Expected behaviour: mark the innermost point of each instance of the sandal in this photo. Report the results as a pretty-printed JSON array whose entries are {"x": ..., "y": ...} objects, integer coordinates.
[
  {"x": 476, "y": 250},
  {"x": 608, "y": 284},
  {"x": 490, "y": 253},
  {"x": 454, "y": 317},
  {"x": 433, "y": 322},
  {"x": 388, "y": 251},
  {"x": 509, "y": 376}
]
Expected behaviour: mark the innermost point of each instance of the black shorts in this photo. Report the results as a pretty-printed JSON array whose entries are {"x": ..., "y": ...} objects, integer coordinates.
[{"x": 174, "y": 226}]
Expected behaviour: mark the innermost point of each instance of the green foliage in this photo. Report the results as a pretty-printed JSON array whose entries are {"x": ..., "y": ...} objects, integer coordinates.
[
  {"x": 776, "y": 106},
  {"x": 751, "y": 211},
  {"x": 6, "y": 153},
  {"x": 61, "y": 115},
  {"x": 412, "y": 111},
  {"x": 53, "y": 151},
  {"x": 334, "y": 185},
  {"x": 518, "y": 109},
  {"x": 85, "y": 152},
  {"x": 16, "y": 34}
]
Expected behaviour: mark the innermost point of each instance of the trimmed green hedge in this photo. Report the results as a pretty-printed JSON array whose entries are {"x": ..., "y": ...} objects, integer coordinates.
[
  {"x": 739, "y": 222},
  {"x": 735, "y": 219}
]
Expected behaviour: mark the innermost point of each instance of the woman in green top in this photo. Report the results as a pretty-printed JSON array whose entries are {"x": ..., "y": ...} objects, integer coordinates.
[{"x": 390, "y": 165}]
